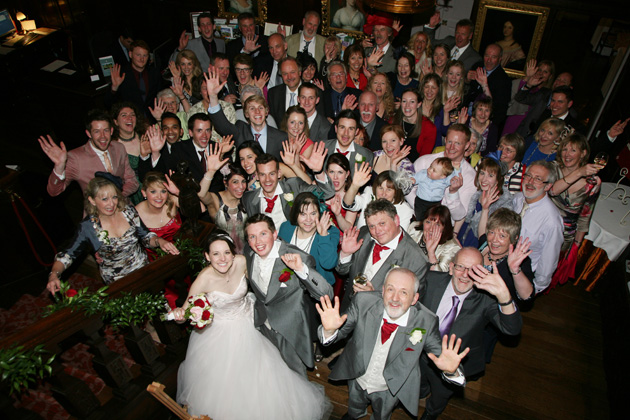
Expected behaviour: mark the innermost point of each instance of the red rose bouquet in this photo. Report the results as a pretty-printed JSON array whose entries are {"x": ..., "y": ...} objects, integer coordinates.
[{"x": 199, "y": 312}]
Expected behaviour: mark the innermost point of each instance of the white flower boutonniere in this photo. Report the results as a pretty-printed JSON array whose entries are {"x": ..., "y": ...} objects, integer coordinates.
[
  {"x": 359, "y": 158},
  {"x": 103, "y": 236},
  {"x": 288, "y": 197},
  {"x": 415, "y": 336}
]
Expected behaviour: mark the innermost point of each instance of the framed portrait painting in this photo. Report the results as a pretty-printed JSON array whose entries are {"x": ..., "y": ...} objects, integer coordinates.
[
  {"x": 232, "y": 8},
  {"x": 343, "y": 16},
  {"x": 517, "y": 28}
]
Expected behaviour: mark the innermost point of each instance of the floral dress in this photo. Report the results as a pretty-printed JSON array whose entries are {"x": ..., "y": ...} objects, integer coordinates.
[{"x": 120, "y": 256}]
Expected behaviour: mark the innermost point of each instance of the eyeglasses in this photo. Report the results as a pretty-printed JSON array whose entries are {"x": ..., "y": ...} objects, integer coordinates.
[
  {"x": 245, "y": 70},
  {"x": 461, "y": 269},
  {"x": 536, "y": 179}
]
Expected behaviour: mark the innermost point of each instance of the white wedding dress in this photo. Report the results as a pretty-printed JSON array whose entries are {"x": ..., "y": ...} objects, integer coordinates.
[{"x": 233, "y": 372}]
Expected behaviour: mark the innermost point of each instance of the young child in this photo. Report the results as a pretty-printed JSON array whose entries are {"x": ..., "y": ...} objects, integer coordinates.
[{"x": 431, "y": 184}]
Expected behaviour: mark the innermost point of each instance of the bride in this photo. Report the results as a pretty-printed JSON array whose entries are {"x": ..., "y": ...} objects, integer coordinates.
[{"x": 231, "y": 371}]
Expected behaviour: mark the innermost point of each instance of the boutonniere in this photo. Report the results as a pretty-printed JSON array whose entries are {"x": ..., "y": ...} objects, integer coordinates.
[
  {"x": 288, "y": 197},
  {"x": 285, "y": 275},
  {"x": 359, "y": 158},
  {"x": 256, "y": 185},
  {"x": 103, "y": 236},
  {"x": 415, "y": 336}
]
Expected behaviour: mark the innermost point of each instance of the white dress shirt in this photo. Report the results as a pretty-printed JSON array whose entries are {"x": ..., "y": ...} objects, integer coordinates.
[
  {"x": 543, "y": 225},
  {"x": 277, "y": 214},
  {"x": 311, "y": 46},
  {"x": 272, "y": 77}
]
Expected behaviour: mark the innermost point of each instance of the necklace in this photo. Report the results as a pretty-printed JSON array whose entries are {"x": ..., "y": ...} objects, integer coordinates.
[
  {"x": 308, "y": 244},
  {"x": 547, "y": 155},
  {"x": 126, "y": 140},
  {"x": 497, "y": 260}
]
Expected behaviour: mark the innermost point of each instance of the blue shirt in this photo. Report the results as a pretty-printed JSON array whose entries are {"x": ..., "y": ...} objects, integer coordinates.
[{"x": 431, "y": 189}]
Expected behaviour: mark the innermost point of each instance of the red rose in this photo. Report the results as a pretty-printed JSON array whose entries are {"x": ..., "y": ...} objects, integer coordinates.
[
  {"x": 284, "y": 276},
  {"x": 71, "y": 293},
  {"x": 200, "y": 303},
  {"x": 199, "y": 327},
  {"x": 205, "y": 315}
]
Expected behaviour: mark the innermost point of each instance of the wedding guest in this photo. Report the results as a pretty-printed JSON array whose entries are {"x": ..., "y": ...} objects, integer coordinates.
[
  {"x": 113, "y": 229},
  {"x": 434, "y": 234},
  {"x": 80, "y": 164},
  {"x": 379, "y": 84},
  {"x": 481, "y": 123},
  {"x": 312, "y": 231},
  {"x": 431, "y": 184},
  {"x": 392, "y": 156},
  {"x": 187, "y": 67},
  {"x": 384, "y": 186},
  {"x": 420, "y": 132},
  {"x": 420, "y": 46},
  {"x": 338, "y": 170},
  {"x": 375, "y": 371},
  {"x": 546, "y": 141},
  {"x": 354, "y": 58},
  {"x": 404, "y": 78},
  {"x": 512, "y": 148}
]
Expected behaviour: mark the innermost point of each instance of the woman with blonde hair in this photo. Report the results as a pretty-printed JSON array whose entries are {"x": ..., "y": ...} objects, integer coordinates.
[
  {"x": 380, "y": 86},
  {"x": 547, "y": 138},
  {"x": 188, "y": 69},
  {"x": 419, "y": 46}
]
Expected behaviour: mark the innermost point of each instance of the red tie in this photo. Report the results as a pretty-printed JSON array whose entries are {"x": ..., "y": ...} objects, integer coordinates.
[
  {"x": 343, "y": 153},
  {"x": 386, "y": 330},
  {"x": 257, "y": 136},
  {"x": 376, "y": 252},
  {"x": 203, "y": 159},
  {"x": 270, "y": 203}
]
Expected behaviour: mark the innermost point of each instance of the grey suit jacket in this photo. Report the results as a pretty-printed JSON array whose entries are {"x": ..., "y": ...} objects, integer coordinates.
[
  {"x": 196, "y": 46},
  {"x": 402, "y": 368},
  {"x": 320, "y": 127},
  {"x": 242, "y": 132},
  {"x": 407, "y": 255},
  {"x": 287, "y": 308},
  {"x": 470, "y": 57},
  {"x": 364, "y": 152},
  {"x": 293, "y": 45},
  {"x": 251, "y": 199},
  {"x": 478, "y": 310}
]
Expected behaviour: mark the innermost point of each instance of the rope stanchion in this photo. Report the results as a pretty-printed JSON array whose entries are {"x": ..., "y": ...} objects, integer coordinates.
[{"x": 15, "y": 196}]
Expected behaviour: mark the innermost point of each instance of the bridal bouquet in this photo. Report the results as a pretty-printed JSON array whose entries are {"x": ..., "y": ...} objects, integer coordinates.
[{"x": 199, "y": 312}]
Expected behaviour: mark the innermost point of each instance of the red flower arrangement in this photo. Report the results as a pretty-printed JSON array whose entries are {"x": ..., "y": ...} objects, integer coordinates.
[
  {"x": 285, "y": 275},
  {"x": 71, "y": 293}
]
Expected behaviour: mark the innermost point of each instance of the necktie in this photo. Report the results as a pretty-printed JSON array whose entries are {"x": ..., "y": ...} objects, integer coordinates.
[
  {"x": 386, "y": 330},
  {"x": 339, "y": 105},
  {"x": 257, "y": 137},
  {"x": 278, "y": 75},
  {"x": 292, "y": 100},
  {"x": 447, "y": 323},
  {"x": 525, "y": 207},
  {"x": 142, "y": 86},
  {"x": 455, "y": 53},
  {"x": 376, "y": 252},
  {"x": 270, "y": 203},
  {"x": 210, "y": 49},
  {"x": 108, "y": 163},
  {"x": 343, "y": 153},
  {"x": 306, "y": 44},
  {"x": 202, "y": 159}
]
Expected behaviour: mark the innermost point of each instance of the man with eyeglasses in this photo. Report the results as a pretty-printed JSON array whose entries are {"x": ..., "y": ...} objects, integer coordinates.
[
  {"x": 542, "y": 222},
  {"x": 465, "y": 311},
  {"x": 335, "y": 96}
]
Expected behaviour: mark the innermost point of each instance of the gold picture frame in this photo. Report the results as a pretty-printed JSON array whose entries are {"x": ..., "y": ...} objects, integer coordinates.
[
  {"x": 258, "y": 8},
  {"x": 528, "y": 26},
  {"x": 354, "y": 19}
]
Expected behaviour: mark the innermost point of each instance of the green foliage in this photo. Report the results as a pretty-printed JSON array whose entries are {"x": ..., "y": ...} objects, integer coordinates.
[
  {"x": 196, "y": 259},
  {"x": 68, "y": 297},
  {"x": 20, "y": 367},
  {"x": 133, "y": 309}
]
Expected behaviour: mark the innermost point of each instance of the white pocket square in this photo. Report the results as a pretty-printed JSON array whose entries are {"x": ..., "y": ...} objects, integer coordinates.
[{"x": 283, "y": 285}]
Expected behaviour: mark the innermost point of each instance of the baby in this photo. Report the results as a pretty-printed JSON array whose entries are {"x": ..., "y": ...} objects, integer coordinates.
[{"x": 431, "y": 184}]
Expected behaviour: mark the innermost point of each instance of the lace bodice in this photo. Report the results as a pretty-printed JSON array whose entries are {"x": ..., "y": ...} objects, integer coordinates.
[{"x": 237, "y": 305}]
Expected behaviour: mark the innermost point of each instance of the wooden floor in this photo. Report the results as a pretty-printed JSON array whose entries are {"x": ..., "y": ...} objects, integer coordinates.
[{"x": 555, "y": 371}]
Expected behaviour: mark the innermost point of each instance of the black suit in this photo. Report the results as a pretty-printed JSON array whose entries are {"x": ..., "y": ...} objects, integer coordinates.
[
  {"x": 234, "y": 47},
  {"x": 319, "y": 130},
  {"x": 375, "y": 138},
  {"x": 329, "y": 107},
  {"x": 477, "y": 311},
  {"x": 500, "y": 86},
  {"x": 182, "y": 151},
  {"x": 568, "y": 120},
  {"x": 129, "y": 90},
  {"x": 242, "y": 132},
  {"x": 277, "y": 100}
]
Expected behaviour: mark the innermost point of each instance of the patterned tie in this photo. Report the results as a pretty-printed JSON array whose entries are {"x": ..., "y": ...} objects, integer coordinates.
[
  {"x": 386, "y": 330},
  {"x": 525, "y": 208},
  {"x": 292, "y": 100},
  {"x": 270, "y": 203},
  {"x": 447, "y": 322},
  {"x": 376, "y": 252},
  {"x": 306, "y": 44},
  {"x": 278, "y": 75},
  {"x": 455, "y": 53},
  {"x": 257, "y": 137},
  {"x": 343, "y": 153},
  {"x": 108, "y": 163}
]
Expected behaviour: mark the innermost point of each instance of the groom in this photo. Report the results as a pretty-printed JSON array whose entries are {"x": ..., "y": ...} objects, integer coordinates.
[
  {"x": 282, "y": 276},
  {"x": 390, "y": 331}
]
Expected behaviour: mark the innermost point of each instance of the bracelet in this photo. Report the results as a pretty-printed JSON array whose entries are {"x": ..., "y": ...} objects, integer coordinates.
[
  {"x": 56, "y": 273},
  {"x": 434, "y": 264},
  {"x": 518, "y": 272},
  {"x": 205, "y": 176},
  {"x": 506, "y": 303}
]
